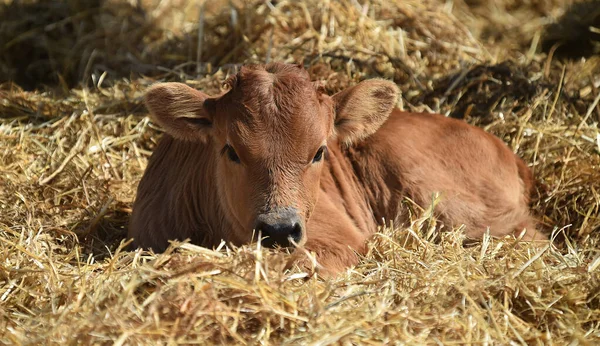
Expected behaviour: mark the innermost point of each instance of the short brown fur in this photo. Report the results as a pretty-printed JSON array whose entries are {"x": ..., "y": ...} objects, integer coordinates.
[{"x": 273, "y": 121}]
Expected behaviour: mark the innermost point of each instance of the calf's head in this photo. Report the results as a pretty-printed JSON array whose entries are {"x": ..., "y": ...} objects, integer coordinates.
[{"x": 269, "y": 132}]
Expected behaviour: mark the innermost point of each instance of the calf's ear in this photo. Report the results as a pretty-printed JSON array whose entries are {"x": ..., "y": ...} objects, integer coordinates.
[
  {"x": 179, "y": 110},
  {"x": 360, "y": 110}
]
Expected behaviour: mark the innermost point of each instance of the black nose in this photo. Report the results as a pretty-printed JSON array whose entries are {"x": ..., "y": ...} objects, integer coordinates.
[{"x": 278, "y": 227}]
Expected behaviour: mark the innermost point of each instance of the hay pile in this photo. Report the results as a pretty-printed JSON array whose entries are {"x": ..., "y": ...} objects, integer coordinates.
[{"x": 74, "y": 141}]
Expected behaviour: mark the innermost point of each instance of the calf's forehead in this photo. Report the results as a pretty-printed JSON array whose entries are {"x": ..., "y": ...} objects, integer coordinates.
[
  {"x": 263, "y": 93},
  {"x": 271, "y": 112}
]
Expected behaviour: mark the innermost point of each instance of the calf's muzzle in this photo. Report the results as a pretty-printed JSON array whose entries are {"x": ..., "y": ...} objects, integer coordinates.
[{"x": 277, "y": 227}]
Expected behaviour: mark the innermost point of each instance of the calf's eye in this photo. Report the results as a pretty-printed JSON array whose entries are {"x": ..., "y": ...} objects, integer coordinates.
[
  {"x": 319, "y": 155},
  {"x": 231, "y": 154}
]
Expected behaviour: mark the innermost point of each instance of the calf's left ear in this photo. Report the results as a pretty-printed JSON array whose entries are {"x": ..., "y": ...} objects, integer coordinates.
[
  {"x": 360, "y": 110},
  {"x": 180, "y": 110}
]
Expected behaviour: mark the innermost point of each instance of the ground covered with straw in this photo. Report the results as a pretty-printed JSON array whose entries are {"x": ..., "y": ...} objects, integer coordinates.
[{"x": 75, "y": 139}]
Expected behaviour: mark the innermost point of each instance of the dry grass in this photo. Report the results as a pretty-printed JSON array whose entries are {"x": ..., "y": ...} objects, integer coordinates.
[{"x": 74, "y": 141}]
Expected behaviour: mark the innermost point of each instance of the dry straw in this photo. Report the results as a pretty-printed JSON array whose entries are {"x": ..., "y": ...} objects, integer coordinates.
[{"x": 75, "y": 139}]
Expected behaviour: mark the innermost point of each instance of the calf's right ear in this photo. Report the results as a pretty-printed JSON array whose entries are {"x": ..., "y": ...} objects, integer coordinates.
[{"x": 179, "y": 110}]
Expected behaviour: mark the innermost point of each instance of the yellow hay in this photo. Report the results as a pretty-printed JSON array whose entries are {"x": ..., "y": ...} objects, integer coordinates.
[{"x": 75, "y": 139}]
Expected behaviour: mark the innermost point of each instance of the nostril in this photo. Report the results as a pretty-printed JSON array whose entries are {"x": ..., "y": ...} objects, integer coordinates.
[
  {"x": 263, "y": 228},
  {"x": 296, "y": 233}
]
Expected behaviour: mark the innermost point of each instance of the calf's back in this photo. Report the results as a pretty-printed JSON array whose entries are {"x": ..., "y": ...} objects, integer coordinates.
[{"x": 481, "y": 181}]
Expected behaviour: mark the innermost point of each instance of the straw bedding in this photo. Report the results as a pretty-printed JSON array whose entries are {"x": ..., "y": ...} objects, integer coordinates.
[{"x": 75, "y": 139}]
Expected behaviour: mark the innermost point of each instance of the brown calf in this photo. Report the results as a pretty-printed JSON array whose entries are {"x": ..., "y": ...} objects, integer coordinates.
[{"x": 276, "y": 155}]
